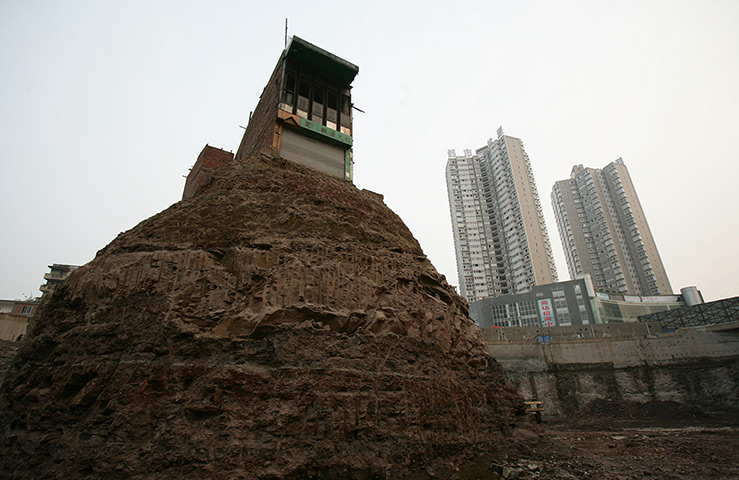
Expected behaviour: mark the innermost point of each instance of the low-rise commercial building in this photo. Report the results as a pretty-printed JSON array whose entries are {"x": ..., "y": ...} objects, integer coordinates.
[{"x": 574, "y": 302}]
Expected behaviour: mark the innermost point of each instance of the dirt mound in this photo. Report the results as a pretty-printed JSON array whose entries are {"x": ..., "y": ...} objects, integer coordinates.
[
  {"x": 281, "y": 324},
  {"x": 7, "y": 352}
]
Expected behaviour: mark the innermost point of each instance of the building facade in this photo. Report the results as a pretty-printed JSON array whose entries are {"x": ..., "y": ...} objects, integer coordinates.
[
  {"x": 209, "y": 160},
  {"x": 555, "y": 304},
  {"x": 500, "y": 238},
  {"x": 572, "y": 303},
  {"x": 305, "y": 112},
  {"x": 304, "y": 115},
  {"x": 58, "y": 273},
  {"x": 605, "y": 233},
  {"x": 14, "y": 315},
  {"x": 19, "y": 307}
]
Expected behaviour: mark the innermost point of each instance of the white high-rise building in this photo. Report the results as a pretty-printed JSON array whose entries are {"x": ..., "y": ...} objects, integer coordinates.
[
  {"x": 605, "y": 233},
  {"x": 500, "y": 238}
]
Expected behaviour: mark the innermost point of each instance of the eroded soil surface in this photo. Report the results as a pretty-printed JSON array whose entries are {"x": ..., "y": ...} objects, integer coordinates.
[
  {"x": 7, "y": 352},
  {"x": 285, "y": 325},
  {"x": 620, "y": 448},
  {"x": 601, "y": 446}
]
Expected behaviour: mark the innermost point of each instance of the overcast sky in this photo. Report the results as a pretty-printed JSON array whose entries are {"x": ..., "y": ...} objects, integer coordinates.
[{"x": 104, "y": 105}]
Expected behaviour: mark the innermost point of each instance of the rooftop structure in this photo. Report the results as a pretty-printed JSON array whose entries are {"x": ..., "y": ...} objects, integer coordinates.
[
  {"x": 210, "y": 159},
  {"x": 305, "y": 112}
]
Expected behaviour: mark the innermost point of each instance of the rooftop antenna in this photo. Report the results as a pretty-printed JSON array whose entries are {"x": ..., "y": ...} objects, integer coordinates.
[{"x": 285, "y": 32}]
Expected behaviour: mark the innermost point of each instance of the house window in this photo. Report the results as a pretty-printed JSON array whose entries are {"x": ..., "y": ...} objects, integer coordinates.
[
  {"x": 332, "y": 108},
  {"x": 312, "y": 95},
  {"x": 318, "y": 101},
  {"x": 303, "y": 97},
  {"x": 289, "y": 97}
]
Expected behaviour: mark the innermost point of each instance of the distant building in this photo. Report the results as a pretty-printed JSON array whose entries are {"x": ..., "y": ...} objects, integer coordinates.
[
  {"x": 305, "y": 112},
  {"x": 617, "y": 308},
  {"x": 554, "y": 304},
  {"x": 57, "y": 275},
  {"x": 605, "y": 233},
  {"x": 210, "y": 159},
  {"x": 698, "y": 314},
  {"x": 19, "y": 307},
  {"x": 14, "y": 315},
  {"x": 574, "y": 302},
  {"x": 500, "y": 238}
]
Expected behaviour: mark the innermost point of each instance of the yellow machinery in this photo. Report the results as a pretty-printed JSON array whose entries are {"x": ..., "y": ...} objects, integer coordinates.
[{"x": 535, "y": 407}]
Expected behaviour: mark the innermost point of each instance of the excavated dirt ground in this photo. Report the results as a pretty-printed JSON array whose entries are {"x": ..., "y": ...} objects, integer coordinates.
[
  {"x": 610, "y": 449},
  {"x": 606, "y": 442},
  {"x": 619, "y": 440},
  {"x": 281, "y": 325}
]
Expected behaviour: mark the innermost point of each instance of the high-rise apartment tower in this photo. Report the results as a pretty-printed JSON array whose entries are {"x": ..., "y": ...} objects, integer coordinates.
[
  {"x": 604, "y": 231},
  {"x": 500, "y": 238}
]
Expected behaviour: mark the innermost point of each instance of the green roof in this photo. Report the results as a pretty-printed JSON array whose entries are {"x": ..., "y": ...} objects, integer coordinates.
[{"x": 320, "y": 59}]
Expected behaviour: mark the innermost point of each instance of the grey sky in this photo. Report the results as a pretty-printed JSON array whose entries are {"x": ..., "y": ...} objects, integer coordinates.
[{"x": 105, "y": 105}]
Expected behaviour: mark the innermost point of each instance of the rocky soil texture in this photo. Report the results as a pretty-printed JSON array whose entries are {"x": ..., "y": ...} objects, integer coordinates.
[
  {"x": 614, "y": 449},
  {"x": 8, "y": 350},
  {"x": 280, "y": 324}
]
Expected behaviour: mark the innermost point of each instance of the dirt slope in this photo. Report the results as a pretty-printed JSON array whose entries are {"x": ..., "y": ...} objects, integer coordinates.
[{"x": 280, "y": 324}]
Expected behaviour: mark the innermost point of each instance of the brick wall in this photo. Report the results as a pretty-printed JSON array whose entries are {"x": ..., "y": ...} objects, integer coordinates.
[
  {"x": 211, "y": 158},
  {"x": 259, "y": 134}
]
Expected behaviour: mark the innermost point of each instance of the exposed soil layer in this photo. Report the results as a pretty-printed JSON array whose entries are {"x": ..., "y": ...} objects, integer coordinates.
[
  {"x": 694, "y": 388},
  {"x": 7, "y": 352},
  {"x": 280, "y": 404},
  {"x": 630, "y": 440},
  {"x": 280, "y": 324},
  {"x": 606, "y": 441},
  {"x": 615, "y": 450},
  {"x": 283, "y": 324}
]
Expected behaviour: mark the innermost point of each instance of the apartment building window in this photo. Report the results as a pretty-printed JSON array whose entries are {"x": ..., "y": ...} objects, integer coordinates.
[{"x": 563, "y": 318}]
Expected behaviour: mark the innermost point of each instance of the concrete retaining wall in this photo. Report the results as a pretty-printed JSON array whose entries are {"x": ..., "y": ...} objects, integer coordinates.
[
  {"x": 697, "y": 367},
  {"x": 11, "y": 326}
]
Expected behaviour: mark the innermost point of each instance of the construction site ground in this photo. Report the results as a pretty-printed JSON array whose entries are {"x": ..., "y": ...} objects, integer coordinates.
[
  {"x": 610, "y": 448},
  {"x": 606, "y": 441}
]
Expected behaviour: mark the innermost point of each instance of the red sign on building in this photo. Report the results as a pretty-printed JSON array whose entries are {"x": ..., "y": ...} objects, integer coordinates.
[{"x": 546, "y": 313}]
